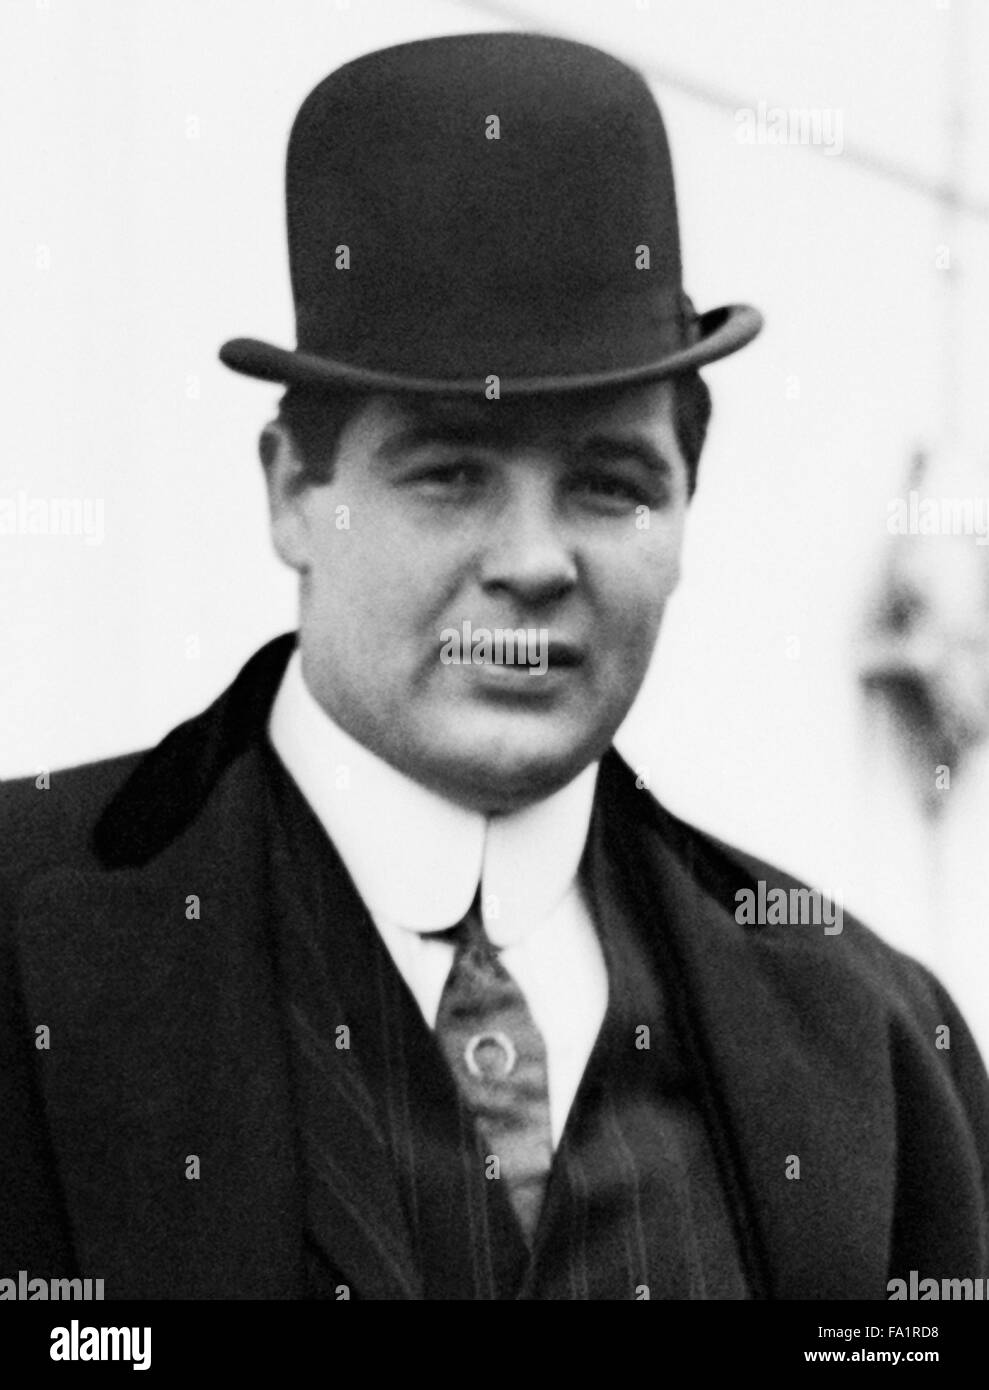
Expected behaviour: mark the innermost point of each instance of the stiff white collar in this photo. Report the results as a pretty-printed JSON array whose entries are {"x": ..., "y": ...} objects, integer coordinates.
[{"x": 415, "y": 858}]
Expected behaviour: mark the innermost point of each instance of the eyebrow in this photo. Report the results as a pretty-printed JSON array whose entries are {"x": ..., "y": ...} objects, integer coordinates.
[
  {"x": 607, "y": 448},
  {"x": 603, "y": 448},
  {"x": 439, "y": 432}
]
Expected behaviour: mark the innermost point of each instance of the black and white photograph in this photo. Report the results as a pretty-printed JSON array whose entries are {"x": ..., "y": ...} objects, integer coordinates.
[{"x": 494, "y": 767}]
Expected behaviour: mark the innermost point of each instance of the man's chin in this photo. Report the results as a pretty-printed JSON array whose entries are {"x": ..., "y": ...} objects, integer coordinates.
[{"x": 500, "y": 780}]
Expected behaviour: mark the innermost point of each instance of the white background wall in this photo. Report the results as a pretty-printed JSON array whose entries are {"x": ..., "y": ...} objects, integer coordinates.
[{"x": 143, "y": 148}]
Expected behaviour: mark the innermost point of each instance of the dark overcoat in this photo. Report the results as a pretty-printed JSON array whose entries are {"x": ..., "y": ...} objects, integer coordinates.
[{"x": 163, "y": 1041}]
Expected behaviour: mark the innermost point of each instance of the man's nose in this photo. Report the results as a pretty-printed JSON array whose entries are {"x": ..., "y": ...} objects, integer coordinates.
[{"x": 527, "y": 550}]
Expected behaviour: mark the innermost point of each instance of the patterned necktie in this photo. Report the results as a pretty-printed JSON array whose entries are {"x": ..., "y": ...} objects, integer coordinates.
[{"x": 498, "y": 1058}]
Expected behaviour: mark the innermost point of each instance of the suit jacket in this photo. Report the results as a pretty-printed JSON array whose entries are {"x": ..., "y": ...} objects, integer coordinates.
[{"x": 164, "y": 1041}]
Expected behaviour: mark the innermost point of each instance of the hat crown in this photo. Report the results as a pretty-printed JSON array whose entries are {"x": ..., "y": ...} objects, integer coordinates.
[{"x": 494, "y": 194}]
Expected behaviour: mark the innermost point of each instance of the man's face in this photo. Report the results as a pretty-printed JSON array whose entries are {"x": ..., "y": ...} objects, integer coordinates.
[{"x": 563, "y": 514}]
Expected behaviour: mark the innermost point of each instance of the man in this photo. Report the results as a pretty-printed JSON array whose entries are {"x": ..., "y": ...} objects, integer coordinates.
[{"x": 383, "y": 978}]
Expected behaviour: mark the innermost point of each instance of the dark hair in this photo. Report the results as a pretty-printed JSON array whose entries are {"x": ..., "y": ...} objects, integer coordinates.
[
  {"x": 316, "y": 416},
  {"x": 691, "y": 417}
]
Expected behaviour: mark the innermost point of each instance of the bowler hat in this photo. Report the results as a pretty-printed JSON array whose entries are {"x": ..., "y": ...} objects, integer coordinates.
[{"x": 486, "y": 205}]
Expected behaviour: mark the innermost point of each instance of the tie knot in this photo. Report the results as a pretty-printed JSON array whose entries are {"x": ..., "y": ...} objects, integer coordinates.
[{"x": 469, "y": 933}]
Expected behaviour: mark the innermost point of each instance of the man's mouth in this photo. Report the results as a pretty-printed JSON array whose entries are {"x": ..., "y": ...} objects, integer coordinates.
[{"x": 564, "y": 654}]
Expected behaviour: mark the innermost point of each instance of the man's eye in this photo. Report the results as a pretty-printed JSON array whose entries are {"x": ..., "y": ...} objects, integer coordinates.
[
  {"x": 446, "y": 479},
  {"x": 612, "y": 490}
]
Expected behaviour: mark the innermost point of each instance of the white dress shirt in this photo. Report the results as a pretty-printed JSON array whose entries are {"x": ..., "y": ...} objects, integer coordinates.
[{"x": 417, "y": 859}]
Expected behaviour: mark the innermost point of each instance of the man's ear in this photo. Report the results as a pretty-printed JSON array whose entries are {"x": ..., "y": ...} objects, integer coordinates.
[{"x": 288, "y": 492}]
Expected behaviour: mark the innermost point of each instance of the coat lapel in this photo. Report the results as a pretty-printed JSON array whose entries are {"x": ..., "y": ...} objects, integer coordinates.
[{"x": 790, "y": 1057}]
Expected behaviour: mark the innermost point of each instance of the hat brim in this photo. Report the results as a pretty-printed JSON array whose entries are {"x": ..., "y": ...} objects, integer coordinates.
[{"x": 722, "y": 331}]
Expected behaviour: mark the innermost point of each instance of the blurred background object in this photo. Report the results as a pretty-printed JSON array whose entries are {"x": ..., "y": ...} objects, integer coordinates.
[{"x": 926, "y": 653}]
